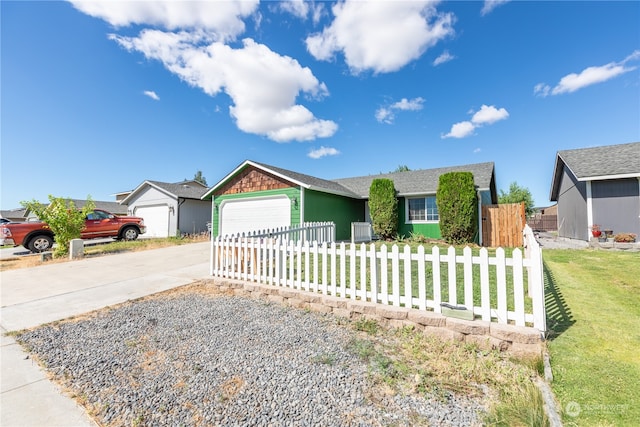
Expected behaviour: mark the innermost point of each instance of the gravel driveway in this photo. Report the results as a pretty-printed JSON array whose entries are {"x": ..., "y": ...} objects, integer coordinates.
[{"x": 193, "y": 358}]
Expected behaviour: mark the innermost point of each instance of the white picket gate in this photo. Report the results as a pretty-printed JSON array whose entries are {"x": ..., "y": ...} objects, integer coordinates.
[{"x": 397, "y": 276}]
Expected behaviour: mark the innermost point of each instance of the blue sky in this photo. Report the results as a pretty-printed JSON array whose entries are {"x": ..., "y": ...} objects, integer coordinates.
[{"x": 98, "y": 96}]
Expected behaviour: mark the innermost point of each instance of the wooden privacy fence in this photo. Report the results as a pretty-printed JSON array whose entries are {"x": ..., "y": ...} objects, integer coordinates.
[
  {"x": 500, "y": 288},
  {"x": 503, "y": 225}
]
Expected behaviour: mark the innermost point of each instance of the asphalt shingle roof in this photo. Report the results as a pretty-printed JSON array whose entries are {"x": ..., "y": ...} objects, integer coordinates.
[
  {"x": 185, "y": 189},
  {"x": 420, "y": 181},
  {"x": 621, "y": 159},
  {"x": 311, "y": 181},
  {"x": 423, "y": 181}
]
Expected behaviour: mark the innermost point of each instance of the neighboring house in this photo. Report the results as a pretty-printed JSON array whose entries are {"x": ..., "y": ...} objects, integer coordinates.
[
  {"x": 170, "y": 209},
  {"x": 14, "y": 215},
  {"x": 599, "y": 185},
  {"x": 256, "y": 196},
  {"x": 112, "y": 207},
  {"x": 544, "y": 219}
]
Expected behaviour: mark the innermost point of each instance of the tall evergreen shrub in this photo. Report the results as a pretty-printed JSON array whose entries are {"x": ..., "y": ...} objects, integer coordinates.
[
  {"x": 458, "y": 207},
  {"x": 383, "y": 208}
]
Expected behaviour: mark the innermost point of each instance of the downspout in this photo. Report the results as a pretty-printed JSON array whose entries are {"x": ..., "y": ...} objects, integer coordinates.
[
  {"x": 589, "y": 209},
  {"x": 178, "y": 214},
  {"x": 301, "y": 206}
]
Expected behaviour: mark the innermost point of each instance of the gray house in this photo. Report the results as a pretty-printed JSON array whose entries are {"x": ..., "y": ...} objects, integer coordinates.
[
  {"x": 170, "y": 208},
  {"x": 599, "y": 185}
]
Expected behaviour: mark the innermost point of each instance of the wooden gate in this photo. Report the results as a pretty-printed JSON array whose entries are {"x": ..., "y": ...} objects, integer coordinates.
[{"x": 502, "y": 225}]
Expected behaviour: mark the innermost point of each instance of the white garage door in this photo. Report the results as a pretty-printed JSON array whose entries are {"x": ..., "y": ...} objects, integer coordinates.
[
  {"x": 260, "y": 213},
  {"x": 156, "y": 219}
]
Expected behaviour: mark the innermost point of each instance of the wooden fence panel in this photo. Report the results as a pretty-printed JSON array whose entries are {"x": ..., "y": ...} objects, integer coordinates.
[{"x": 502, "y": 225}]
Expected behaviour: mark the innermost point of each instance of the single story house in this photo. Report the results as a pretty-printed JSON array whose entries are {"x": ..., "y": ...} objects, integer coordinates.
[
  {"x": 255, "y": 196},
  {"x": 112, "y": 207},
  {"x": 598, "y": 185},
  {"x": 170, "y": 209},
  {"x": 14, "y": 215}
]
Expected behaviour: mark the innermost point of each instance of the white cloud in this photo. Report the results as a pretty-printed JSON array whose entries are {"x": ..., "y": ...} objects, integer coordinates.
[
  {"x": 488, "y": 114},
  {"x": 387, "y": 115},
  {"x": 489, "y": 5},
  {"x": 194, "y": 49},
  {"x": 409, "y": 104},
  {"x": 303, "y": 8},
  {"x": 220, "y": 19},
  {"x": 587, "y": 77},
  {"x": 381, "y": 36},
  {"x": 444, "y": 57},
  {"x": 384, "y": 115},
  {"x": 151, "y": 94},
  {"x": 263, "y": 106},
  {"x": 323, "y": 152},
  {"x": 477, "y": 150},
  {"x": 460, "y": 130}
]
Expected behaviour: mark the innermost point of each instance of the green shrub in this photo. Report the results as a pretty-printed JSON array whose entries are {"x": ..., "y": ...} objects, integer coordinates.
[
  {"x": 458, "y": 207},
  {"x": 64, "y": 219},
  {"x": 383, "y": 207}
]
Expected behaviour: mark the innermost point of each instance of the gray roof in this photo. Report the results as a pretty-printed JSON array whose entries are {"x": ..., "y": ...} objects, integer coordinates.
[
  {"x": 311, "y": 181},
  {"x": 597, "y": 163},
  {"x": 621, "y": 159},
  {"x": 424, "y": 181},
  {"x": 112, "y": 207},
  {"x": 183, "y": 189}
]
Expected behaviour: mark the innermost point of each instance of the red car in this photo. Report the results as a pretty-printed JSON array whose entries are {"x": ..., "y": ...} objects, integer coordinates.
[{"x": 38, "y": 237}]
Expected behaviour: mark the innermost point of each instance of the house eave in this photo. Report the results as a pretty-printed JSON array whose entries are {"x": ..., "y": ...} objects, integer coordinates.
[
  {"x": 141, "y": 186},
  {"x": 605, "y": 177},
  {"x": 244, "y": 164}
]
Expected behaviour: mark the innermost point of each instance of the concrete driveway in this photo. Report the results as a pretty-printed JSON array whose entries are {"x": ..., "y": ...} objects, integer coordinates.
[{"x": 34, "y": 296}]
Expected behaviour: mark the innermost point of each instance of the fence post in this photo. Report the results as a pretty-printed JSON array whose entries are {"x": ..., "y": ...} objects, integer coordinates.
[{"x": 539, "y": 315}]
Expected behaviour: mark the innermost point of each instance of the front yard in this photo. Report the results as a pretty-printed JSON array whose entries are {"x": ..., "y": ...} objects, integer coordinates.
[{"x": 593, "y": 312}]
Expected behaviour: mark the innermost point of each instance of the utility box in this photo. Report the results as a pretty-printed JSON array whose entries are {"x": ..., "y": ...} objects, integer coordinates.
[{"x": 76, "y": 249}]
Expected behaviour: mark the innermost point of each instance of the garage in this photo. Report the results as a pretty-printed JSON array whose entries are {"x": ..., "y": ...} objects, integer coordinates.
[
  {"x": 156, "y": 219},
  {"x": 253, "y": 214}
]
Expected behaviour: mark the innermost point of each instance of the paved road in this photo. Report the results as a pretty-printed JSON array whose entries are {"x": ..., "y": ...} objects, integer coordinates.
[{"x": 33, "y": 296}]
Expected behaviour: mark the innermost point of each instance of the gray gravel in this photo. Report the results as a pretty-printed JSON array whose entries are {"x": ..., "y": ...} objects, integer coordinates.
[{"x": 194, "y": 359}]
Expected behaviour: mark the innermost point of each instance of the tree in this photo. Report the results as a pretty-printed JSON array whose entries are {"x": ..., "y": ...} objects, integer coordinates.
[
  {"x": 63, "y": 218},
  {"x": 402, "y": 168},
  {"x": 518, "y": 194},
  {"x": 383, "y": 208},
  {"x": 457, "y": 207},
  {"x": 201, "y": 179}
]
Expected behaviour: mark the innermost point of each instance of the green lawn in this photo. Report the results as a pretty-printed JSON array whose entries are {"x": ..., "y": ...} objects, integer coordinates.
[
  {"x": 428, "y": 275},
  {"x": 593, "y": 311}
]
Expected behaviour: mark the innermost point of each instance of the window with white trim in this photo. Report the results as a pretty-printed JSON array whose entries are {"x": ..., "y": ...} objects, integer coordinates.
[{"x": 422, "y": 209}]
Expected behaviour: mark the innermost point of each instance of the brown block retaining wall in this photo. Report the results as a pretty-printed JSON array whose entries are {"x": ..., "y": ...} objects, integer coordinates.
[{"x": 522, "y": 342}]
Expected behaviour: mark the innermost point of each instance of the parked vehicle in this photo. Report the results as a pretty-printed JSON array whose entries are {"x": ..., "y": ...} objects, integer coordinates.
[{"x": 38, "y": 237}]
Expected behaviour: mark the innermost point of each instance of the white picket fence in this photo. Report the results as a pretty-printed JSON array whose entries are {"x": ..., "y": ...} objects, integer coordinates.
[
  {"x": 306, "y": 232},
  {"x": 361, "y": 232},
  {"x": 398, "y": 276}
]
